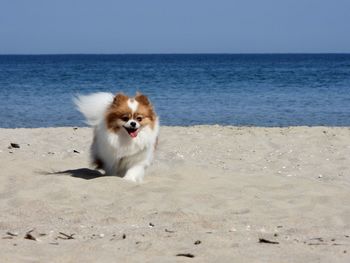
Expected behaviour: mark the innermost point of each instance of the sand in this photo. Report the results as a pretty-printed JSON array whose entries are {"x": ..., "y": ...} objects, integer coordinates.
[{"x": 212, "y": 193}]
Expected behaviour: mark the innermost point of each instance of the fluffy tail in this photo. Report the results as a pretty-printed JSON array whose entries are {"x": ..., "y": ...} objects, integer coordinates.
[{"x": 94, "y": 106}]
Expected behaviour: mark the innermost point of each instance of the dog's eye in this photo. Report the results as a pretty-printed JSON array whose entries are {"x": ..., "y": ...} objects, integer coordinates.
[
  {"x": 139, "y": 118},
  {"x": 125, "y": 118}
]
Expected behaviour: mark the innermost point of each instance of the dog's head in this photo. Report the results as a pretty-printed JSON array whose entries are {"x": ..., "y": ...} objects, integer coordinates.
[{"x": 130, "y": 114}]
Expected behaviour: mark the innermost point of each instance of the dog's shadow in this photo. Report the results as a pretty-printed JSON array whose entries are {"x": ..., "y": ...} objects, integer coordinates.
[{"x": 83, "y": 173}]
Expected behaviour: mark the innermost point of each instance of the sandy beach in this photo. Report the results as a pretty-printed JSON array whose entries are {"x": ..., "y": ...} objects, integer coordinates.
[{"x": 213, "y": 194}]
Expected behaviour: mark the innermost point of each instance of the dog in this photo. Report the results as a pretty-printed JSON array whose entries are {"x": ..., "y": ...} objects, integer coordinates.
[{"x": 125, "y": 132}]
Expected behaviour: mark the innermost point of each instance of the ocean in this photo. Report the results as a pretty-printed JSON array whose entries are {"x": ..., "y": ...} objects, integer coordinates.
[{"x": 245, "y": 90}]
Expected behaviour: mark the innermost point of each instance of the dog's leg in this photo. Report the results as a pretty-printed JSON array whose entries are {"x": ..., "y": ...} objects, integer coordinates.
[
  {"x": 112, "y": 169},
  {"x": 135, "y": 173}
]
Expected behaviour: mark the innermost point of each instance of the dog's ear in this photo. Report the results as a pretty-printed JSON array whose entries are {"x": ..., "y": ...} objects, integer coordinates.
[
  {"x": 120, "y": 97},
  {"x": 142, "y": 99}
]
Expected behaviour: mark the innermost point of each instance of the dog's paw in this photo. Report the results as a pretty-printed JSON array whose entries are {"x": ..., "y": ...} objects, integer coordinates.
[
  {"x": 135, "y": 174},
  {"x": 135, "y": 179}
]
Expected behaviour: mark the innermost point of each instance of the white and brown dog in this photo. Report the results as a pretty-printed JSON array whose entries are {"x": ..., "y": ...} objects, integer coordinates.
[{"x": 125, "y": 132}]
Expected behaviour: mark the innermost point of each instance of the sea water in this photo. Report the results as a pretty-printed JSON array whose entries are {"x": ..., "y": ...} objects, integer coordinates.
[{"x": 245, "y": 89}]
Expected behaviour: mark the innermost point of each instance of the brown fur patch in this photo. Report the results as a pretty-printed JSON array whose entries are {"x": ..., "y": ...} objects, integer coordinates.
[{"x": 119, "y": 99}]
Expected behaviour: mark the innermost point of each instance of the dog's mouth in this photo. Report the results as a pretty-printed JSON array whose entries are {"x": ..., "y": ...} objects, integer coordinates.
[{"x": 132, "y": 132}]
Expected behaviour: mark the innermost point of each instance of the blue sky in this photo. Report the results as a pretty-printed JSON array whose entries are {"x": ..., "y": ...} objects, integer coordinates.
[{"x": 174, "y": 26}]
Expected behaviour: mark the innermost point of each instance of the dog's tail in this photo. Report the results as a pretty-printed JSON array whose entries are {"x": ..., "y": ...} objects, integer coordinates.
[{"x": 94, "y": 106}]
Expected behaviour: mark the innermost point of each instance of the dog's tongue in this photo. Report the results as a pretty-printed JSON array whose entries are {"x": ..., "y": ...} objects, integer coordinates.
[{"x": 133, "y": 134}]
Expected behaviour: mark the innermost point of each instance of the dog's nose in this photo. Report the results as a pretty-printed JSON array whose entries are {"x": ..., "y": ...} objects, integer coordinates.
[{"x": 133, "y": 124}]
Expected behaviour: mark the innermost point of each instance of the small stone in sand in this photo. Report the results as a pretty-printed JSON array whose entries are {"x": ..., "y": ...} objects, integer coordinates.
[
  {"x": 188, "y": 255},
  {"x": 197, "y": 242},
  {"x": 30, "y": 236},
  {"x": 14, "y": 234},
  {"x": 263, "y": 240}
]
